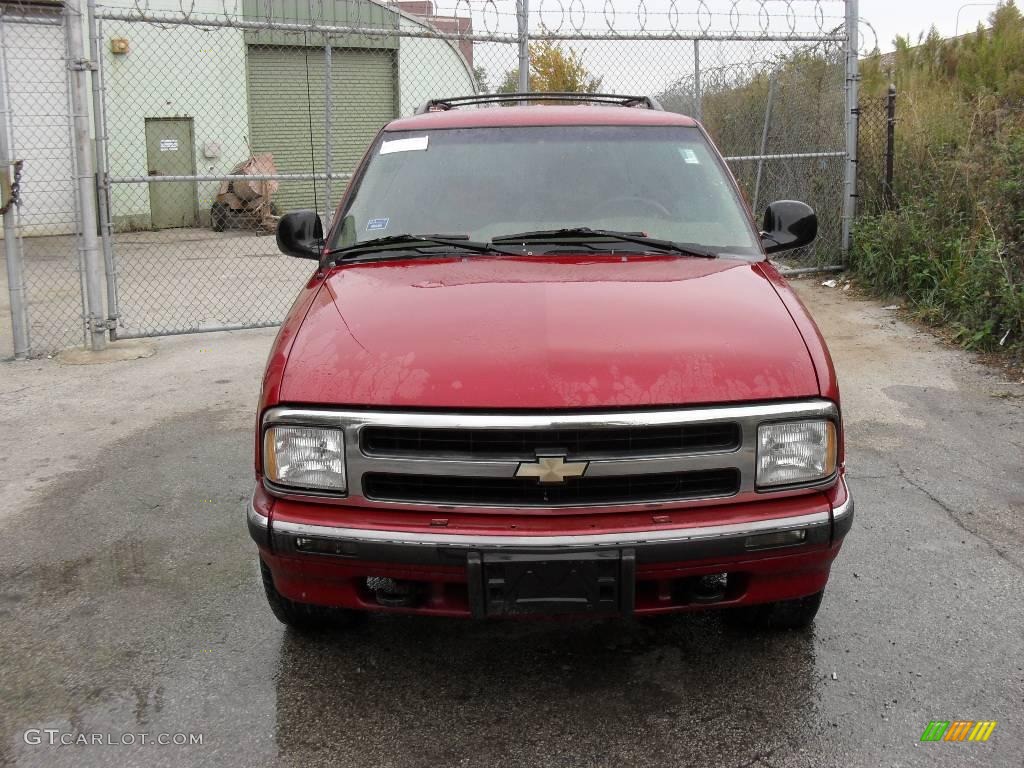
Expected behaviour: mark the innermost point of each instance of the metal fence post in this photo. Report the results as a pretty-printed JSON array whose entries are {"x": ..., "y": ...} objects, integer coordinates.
[
  {"x": 523, "y": 17},
  {"x": 890, "y": 147},
  {"x": 103, "y": 199},
  {"x": 764, "y": 141},
  {"x": 92, "y": 262},
  {"x": 852, "y": 99},
  {"x": 698, "y": 96},
  {"x": 328, "y": 62},
  {"x": 12, "y": 245}
]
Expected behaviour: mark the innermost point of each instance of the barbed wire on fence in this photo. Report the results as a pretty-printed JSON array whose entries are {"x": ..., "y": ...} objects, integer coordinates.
[
  {"x": 552, "y": 20},
  {"x": 186, "y": 93}
]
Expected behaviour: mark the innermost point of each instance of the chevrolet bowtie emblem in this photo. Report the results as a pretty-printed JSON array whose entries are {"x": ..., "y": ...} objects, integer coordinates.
[{"x": 551, "y": 469}]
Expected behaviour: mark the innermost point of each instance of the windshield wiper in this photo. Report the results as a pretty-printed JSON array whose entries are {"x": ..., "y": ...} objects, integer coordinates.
[
  {"x": 553, "y": 235},
  {"x": 414, "y": 242}
]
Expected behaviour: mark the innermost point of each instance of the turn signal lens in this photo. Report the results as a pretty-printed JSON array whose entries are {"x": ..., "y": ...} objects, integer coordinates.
[{"x": 778, "y": 539}]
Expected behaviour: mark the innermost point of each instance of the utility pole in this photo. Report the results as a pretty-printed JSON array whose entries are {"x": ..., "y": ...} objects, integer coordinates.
[{"x": 956, "y": 29}]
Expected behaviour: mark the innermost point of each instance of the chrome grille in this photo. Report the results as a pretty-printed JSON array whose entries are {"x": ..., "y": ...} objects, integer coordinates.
[
  {"x": 523, "y": 444},
  {"x": 499, "y": 491},
  {"x": 634, "y": 459}
]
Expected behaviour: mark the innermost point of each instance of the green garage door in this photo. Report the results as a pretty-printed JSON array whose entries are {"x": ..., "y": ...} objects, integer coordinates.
[{"x": 362, "y": 100}]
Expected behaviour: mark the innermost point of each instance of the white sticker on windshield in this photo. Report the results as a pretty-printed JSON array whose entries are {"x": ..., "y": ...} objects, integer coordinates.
[
  {"x": 416, "y": 143},
  {"x": 690, "y": 157}
]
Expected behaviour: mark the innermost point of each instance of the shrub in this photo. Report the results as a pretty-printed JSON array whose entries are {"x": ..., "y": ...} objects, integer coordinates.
[{"x": 954, "y": 245}]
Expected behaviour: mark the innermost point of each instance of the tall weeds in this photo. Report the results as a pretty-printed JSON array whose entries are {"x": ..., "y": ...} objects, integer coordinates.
[{"x": 954, "y": 243}]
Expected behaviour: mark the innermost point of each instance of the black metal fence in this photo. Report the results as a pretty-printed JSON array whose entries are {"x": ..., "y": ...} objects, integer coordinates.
[{"x": 876, "y": 151}]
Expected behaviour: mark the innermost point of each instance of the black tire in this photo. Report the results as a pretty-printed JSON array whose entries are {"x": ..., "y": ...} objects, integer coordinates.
[
  {"x": 303, "y": 616},
  {"x": 218, "y": 217},
  {"x": 785, "y": 614}
]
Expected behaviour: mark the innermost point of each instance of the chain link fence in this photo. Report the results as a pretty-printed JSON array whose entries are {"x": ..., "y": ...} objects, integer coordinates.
[
  {"x": 876, "y": 153},
  {"x": 42, "y": 290},
  {"x": 213, "y": 117},
  {"x": 776, "y": 111}
]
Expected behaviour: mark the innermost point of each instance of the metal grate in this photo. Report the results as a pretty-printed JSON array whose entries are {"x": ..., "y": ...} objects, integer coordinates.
[
  {"x": 499, "y": 491},
  {"x": 524, "y": 443}
]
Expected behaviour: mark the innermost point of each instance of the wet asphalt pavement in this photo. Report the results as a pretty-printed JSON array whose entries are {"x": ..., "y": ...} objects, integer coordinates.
[{"x": 130, "y": 602}]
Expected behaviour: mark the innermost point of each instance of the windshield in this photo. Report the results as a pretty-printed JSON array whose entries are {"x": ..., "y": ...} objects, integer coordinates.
[{"x": 485, "y": 183}]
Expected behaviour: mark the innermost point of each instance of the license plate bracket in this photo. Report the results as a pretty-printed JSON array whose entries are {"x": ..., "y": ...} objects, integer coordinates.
[{"x": 508, "y": 584}]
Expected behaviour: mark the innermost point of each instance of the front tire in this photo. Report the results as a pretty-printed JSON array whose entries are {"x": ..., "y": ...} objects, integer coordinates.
[
  {"x": 785, "y": 614},
  {"x": 304, "y": 617}
]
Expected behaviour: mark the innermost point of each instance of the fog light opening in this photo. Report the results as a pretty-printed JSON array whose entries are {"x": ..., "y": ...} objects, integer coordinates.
[
  {"x": 710, "y": 588},
  {"x": 393, "y": 593},
  {"x": 778, "y": 539}
]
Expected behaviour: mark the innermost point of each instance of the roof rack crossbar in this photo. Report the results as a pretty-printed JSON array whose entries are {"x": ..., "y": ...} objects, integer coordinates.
[{"x": 443, "y": 105}]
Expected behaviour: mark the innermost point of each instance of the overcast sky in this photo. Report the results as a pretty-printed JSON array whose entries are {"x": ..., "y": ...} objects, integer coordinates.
[{"x": 911, "y": 17}]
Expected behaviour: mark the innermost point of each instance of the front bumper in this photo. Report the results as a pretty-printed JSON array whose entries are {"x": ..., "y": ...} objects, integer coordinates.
[{"x": 774, "y": 559}]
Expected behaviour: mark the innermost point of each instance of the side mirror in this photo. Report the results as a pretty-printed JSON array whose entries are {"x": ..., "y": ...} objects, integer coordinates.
[
  {"x": 788, "y": 224},
  {"x": 301, "y": 234}
]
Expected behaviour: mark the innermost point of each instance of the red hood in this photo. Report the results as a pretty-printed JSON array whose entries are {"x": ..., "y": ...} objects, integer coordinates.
[{"x": 547, "y": 333}]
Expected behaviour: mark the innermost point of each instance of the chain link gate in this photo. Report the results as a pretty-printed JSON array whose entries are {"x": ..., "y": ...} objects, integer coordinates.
[
  {"x": 184, "y": 93},
  {"x": 41, "y": 300}
]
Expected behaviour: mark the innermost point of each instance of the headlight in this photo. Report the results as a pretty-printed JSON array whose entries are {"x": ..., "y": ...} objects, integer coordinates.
[
  {"x": 305, "y": 457},
  {"x": 792, "y": 452}
]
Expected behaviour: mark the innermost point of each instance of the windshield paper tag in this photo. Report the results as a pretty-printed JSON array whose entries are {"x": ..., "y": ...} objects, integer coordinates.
[
  {"x": 377, "y": 224},
  {"x": 416, "y": 143},
  {"x": 690, "y": 157}
]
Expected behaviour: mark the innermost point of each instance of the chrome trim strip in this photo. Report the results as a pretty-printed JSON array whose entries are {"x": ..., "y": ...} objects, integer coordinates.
[
  {"x": 254, "y": 516},
  {"x": 359, "y": 463},
  {"x": 456, "y": 541},
  {"x": 846, "y": 508},
  {"x": 332, "y": 417},
  {"x": 842, "y": 516}
]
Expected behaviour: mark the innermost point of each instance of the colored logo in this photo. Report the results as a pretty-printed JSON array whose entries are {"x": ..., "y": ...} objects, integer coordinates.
[
  {"x": 958, "y": 730},
  {"x": 551, "y": 469}
]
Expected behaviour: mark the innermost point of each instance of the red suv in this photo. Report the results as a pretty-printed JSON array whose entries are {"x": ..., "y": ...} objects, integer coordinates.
[{"x": 544, "y": 367}]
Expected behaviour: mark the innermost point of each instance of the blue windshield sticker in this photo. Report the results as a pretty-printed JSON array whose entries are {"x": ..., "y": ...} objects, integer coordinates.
[{"x": 377, "y": 224}]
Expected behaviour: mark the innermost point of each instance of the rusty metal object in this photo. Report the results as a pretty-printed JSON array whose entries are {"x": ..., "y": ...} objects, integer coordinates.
[
  {"x": 11, "y": 193},
  {"x": 244, "y": 202}
]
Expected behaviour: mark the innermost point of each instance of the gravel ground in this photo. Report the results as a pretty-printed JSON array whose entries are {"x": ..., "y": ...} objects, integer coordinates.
[{"x": 130, "y": 601}]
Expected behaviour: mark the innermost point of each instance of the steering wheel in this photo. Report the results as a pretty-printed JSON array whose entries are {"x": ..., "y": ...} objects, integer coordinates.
[{"x": 638, "y": 204}]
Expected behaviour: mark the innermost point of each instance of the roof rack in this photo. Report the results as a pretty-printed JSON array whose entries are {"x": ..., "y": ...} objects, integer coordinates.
[{"x": 443, "y": 105}]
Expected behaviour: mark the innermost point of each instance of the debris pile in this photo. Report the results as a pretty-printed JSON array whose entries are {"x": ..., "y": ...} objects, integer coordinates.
[{"x": 247, "y": 203}]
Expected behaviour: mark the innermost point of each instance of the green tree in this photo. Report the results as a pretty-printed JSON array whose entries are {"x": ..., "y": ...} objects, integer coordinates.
[
  {"x": 483, "y": 80},
  {"x": 553, "y": 68},
  {"x": 509, "y": 83}
]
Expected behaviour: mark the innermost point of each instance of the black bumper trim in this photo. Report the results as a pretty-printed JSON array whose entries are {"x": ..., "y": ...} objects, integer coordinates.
[{"x": 657, "y": 546}]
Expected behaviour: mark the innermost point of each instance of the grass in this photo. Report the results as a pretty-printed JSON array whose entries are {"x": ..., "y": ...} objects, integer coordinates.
[{"x": 953, "y": 245}]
